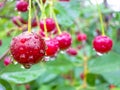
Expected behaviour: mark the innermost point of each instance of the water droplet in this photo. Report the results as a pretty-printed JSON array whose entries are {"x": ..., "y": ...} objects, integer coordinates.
[
  {"x": 27, "y": 66},
  {"x": 23, "y": 40},
  {"x": 30, "y": 57},
  {"x": 47, "y": 59},
  {"x": 63, "y": 52},
  {"x": 52, "y": 58},
  {"x": 99, "y": 54},
  {"x": 41, "y": 51},
  {"x": 21, "y": 49},
  {"x": 22, "y": 67},
  {"x": 22, "y": 56}
]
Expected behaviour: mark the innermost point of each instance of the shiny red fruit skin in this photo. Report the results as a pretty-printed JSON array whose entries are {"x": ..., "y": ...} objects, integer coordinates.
[
  {"x": 82, "y": 76},
  {"x": 52, "y": 47},
  {"x": 112, "y": 86},
  {"x": 102, "y": 44},
  {"x": 50, "y": 24},
  {"x": 18, "y": 21},
  {"x": 28, "y": 48},
  {"x": 64, "y": 40},
  {"x": 72, "y": 52},
  {"x": 7, "y": 61},
  {"x": 81, "y": 37},
  {"x": 22, "y": 6}
]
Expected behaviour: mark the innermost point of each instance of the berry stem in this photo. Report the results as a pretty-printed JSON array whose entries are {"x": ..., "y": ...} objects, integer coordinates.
[
  {"x": 85, "y": 72},
  {"x": 101, "y": 19},
  {"x": 85, "y": 66},
  {"x": 43, "y": 16},
  {"x": 36, "y": 16},
  {"x": 29, "y": 16},
  {"x": 54, "y": 16}
]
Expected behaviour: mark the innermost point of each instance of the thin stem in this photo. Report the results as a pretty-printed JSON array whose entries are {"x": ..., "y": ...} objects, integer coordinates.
[
  {"x": 85, "y": 59},
  {"x": 54, "y": 16},
  {"x": 45, "y": 28},
  {"x": 85, "y": 72},
  {"x": 37, "y": 19},
  {"x": 29, "y": 19},
  {"x": 101, "y": 19}
]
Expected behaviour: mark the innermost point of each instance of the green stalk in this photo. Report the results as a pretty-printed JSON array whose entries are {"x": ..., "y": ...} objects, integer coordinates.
[
  {"x": 29, "y": 16},
  {"x": 101, "y": 19}
]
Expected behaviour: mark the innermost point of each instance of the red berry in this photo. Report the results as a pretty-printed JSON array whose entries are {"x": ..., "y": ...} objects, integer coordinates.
[
  {"x": 18, "y": 21},
  {"x": 112, "y": 86},
  {"x": 72, "y": 51},
  {"x": 82, "y": 76},
  {"x": 34, "y": 23},
  {"x": 1, "y": 4},
  {"x": 7, "y": 61},
  {"x": 102, "y": 44},
  {"x": 22, "y": 6},
  {"x": 0, "y": 42},
  {"x": 52, "y": 47},
  {"x": 50, "y": 24},
  {"x": 64, "y": 40},
  {"x": 28, "y": 48},
  {"x": 81, "y": 37},
  {"x": 44, "y": 1}
]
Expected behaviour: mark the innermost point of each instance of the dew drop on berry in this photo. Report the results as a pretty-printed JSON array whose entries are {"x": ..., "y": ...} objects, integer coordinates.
[
  {"x": 41, "y": 51},
  {"x": 99, "y": 54},
  {"x": 23, "y": 40},
  {"x": 31, "y": 57},
  {"x": 22, "y": 56},
  {"x": 62, "y": 52},
  {"x": 47, "y": 58},
  {"x": 27, "y": 66},
  {"x": 22, "y": 67},
  {"x": 21, "y": 49}
]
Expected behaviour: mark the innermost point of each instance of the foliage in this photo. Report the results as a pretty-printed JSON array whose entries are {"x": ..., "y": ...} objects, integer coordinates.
[{"x": 63, "y": 73}]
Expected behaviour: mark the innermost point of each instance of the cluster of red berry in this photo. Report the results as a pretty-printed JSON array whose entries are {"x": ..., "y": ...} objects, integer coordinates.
[{"x": 29, "y": 47}]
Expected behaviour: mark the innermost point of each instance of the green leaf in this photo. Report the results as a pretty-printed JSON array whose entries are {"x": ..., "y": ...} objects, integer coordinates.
[
  {"x": 18, "y": 75},
  {"x": 108, "y": 66}
]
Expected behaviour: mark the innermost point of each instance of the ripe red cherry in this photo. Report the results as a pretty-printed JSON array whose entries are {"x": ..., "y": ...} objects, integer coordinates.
[
  {"x": 18, "y": 21},
  {"x": 52, "y": 47},
  {"x": 28, "y": 48},
  {"x": 64, "y": 40},
  {"x": 22, "y": 6},
  {"x": 112, "y": 86},
  {"x": 82, "y": 76},
  {"x": 81, "y": 37},
  {"x": 7, "y": 61},
  {"x": 44, "y": 1},
  {"x": 72, "y": 51},
  {"x": 0, "y": 42},
  {"x": 102, "y": 44},
  {"x": 50, "y": 24}
]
